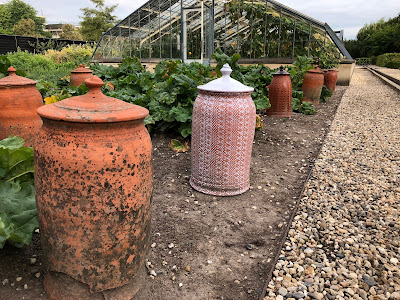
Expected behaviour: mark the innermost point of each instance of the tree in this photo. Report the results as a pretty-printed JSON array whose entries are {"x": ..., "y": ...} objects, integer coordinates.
[
  {"x": 69, "y": 32},
  {"x": 14, "y": 11},
  {"x": 376, "y": 38},
  {"x": 4, "y": 20},
  {"x": 25, "y": 27},
  {"x": 97, "y": 20}
]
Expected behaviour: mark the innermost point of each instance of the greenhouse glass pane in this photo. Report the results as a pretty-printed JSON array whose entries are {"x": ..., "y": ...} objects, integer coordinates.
[{"x": 287, "y": 35}]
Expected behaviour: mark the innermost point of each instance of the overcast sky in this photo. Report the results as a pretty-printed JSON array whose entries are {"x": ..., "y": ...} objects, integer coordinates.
[{"x": 349, "y": 15}]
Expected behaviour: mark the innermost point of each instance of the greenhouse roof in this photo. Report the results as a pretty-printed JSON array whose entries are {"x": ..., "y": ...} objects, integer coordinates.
[{"x": 192, "y": 29}]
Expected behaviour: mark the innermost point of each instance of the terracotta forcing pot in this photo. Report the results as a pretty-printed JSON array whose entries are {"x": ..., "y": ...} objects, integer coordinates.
[
  {"x": 19, "y": 101},
  {"x": 223, "y": 125},
  {"x": 280, "y": 95},
  {"x": 93, "y": 181},
  {"x": 330, "y": 79},
  {"x": 312, "y": 85},
  {"x": 79, "y": 75}
]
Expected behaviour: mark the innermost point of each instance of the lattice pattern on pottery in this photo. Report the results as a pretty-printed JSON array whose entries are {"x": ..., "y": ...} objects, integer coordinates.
[{"x": 222, "y": 139}]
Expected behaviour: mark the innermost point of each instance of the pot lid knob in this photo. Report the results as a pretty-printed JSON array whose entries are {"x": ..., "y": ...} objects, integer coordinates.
[
  {"x": 11, "y": 70},
  {"x": 226, "y": 70},
  {"x": 94, "y": 83}
]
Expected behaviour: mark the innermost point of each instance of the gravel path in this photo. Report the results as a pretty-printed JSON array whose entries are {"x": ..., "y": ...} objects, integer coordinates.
[{"x": 344, "y": 241}]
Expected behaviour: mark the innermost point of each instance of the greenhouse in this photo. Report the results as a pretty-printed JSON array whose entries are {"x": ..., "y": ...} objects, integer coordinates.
[{"x": 191, "y": 30}]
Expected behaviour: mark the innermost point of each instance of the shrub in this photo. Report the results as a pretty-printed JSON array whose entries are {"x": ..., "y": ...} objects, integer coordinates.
[
  {"x": 389, "y": 60},
  {"x": 39, "y": 67},
  {"x": 78, "y": 54},
  {"x": 27, "y": 61}
]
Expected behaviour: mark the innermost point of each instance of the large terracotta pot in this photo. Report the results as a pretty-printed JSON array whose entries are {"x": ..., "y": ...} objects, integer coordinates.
[
  {"x": 330, "y": 79},
  {"x": 79, "y": 75},
  {"x": 19, "y": 101},
  {"x": 223, "y": 125},
  {"x": 93, "y": 181},
  {"x": 280, "y": 95},
  {"x": 312, "y": 85}
]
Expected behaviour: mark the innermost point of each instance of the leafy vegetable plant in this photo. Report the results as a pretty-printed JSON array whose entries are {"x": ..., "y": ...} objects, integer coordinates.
[
  {"x": 325, "y": 94},
  {"x": 18, "y": 214}
]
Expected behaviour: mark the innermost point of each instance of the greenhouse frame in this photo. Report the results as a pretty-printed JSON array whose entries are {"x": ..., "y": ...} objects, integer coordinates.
[{"x": 191, "y": 30}]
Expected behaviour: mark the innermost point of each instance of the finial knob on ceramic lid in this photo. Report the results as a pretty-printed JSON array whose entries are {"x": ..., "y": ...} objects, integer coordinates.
[
  {"x": 226, "y": 70},
  {"x": 281, "y": 71},
  {"x": 225, "y": 84},
  {"x": 94, "y": 83},
  {"x": 11, "y": 70}
]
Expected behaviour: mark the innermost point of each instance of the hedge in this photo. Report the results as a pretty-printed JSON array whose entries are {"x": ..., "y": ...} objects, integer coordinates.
[{"x": 389, "y": 60}]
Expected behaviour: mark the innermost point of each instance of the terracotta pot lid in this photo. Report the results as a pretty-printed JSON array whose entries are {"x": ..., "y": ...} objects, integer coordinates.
[
  {"x": 93, "y": 107},
  {"x": 82, "y": 69},
  {"x": 281, "y": 71},
  {"x": 316, "y": 70},
  {"x": 225, "y": 84},
  {"x": 14, "y": 80}
]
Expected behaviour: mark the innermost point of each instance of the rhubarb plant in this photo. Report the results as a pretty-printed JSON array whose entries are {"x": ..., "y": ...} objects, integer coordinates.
[{"x": 18, "y": 214}]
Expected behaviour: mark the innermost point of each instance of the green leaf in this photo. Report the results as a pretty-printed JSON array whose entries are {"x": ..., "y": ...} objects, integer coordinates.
[
  {"x": 12, "y": 142},
  {"x": 307, "y": 108},
  {"x": 262, "y": 102},
  {"x": 185, "y": 129},
  {"x": 296, "y": 104},
  {"x": 16, "y": 161},
  {"x": 18, "y": 213},
  {"x": 4, "y": 64},
  {"x": 325, "y": 94},
  {"x": 181, "y": 114}
]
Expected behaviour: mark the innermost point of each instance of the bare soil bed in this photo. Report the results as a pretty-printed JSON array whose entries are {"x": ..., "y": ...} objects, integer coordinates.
[{"x": 206, "y": 247}]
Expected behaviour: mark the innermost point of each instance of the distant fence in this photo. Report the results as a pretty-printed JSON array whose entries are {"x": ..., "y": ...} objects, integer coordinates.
[
  {"x": 11, "y": 43},
  {"x": 364, "y": 61}
]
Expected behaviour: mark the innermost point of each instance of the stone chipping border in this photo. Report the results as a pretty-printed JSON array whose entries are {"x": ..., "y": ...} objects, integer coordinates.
[{"x": 344, "y": 241}]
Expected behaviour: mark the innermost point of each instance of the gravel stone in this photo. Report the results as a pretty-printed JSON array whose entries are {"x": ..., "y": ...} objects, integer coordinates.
[
  {"x": 282, "y": 291},
  {"x": 369, "y": 280},
  {"x": 344, "y": 237}
]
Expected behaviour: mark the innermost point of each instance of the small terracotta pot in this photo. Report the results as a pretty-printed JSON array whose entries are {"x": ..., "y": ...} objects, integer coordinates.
[
  {"x": 79, "y": 75},
  {"x": 312, "y": 85},
  {"x": 224, "y": 118},
  {"x": 280, "y": 95},
  {"x": 330, "y": 79},
  {"x": 19, "y": 101},
  {"x": 93, "y": 181}
]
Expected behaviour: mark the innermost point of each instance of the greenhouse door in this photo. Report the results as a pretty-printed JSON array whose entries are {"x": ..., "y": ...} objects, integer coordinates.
[{"x": 197, "y": 34}]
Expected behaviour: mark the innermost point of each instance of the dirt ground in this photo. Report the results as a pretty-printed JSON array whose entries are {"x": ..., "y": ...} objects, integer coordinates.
[{"x": 206, "y": 247}]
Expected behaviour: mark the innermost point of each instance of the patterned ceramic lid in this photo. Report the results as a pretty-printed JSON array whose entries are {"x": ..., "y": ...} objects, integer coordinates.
[
  {"x": 93, "y": 107},
  {"x": 225, "y": 84},
  {"x": 14, "y": 80},
  {"x": 81, "y": 69}
]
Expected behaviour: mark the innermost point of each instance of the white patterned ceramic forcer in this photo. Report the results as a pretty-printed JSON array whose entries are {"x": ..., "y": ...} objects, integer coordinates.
[
  {"x": 225, "y": 84},
  {"x": 223, "y": 125}
]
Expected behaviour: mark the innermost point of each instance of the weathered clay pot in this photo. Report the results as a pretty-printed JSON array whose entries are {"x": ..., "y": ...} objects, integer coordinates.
[
  {"x": 330, "y": 79},
  {"x": 79, "y": 75},
  {"x": 223, "y": 125},
  {"x": 93, "y": 181},
  {"x": 280, "y": 95},
  {"x": 19, "y": 101},
  {"x": 312, "y": 85}
]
